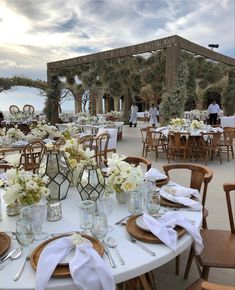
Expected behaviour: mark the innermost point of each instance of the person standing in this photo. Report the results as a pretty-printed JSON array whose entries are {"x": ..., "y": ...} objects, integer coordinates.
[
  {"x": 133, "y": 118},
  {"x": 153, "y": 115},
  {"x": 213, "y": 111}
]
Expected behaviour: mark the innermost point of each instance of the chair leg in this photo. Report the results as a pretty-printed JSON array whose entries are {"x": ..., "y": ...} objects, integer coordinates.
[
  {"x": 144, "y": 282},
  {"x": 177, "y": 265},
  {"x": 205, "y": 273},
  {"x": 220, "y": 156},
  {"x": 232, "y": 152},
  {"x": 189, "y": 263},
  {"x": 204, "y": 223},
  {"x": 228, "y": 153}
]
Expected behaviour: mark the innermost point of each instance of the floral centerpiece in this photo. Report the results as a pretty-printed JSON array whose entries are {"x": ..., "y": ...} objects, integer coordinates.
[
  {"x": 87, "y": 176},
  {"x": 195, "y": 124},
  {"x": 178, "y": 122},
  {"x": 3, "y": 132},
  {"x": 14, "y": 133},
  {"x": 43, "y": 130},
  {"x": 24, "y": 187},
  {"x": 114, "y": 116},
  {"x": 21, "y": 116},
  {"x": 122, "y": 176}
]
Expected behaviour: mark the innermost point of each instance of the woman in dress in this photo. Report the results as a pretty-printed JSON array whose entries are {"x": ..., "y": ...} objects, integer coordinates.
[
  {"x": 133, "y": 118},
  {"x": 153, "y": 112}
]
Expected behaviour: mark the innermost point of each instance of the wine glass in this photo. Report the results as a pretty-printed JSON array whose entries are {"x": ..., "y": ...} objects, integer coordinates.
[
  {"x": 106, "y": 205},
  {"x": 25, "y": 233},
  {"x": 38, "y": 213},
  {"x": 86, "y": 210},
  {"x": 99, "y": 226}
]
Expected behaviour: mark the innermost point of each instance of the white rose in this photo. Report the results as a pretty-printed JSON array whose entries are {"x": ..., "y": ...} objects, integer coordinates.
[
  {"x": 128, "y": 186},
  {"x": 10, "y": 196},
  {"x": 31, "y": 185}
]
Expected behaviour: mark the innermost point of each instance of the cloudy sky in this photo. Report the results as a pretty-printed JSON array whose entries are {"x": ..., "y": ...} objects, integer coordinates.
[{"x": 34, "y": 32}]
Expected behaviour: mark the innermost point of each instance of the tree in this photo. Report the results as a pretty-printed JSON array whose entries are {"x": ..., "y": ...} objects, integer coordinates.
[
  {"x": 174, "y": 101},
  {"x": 229, "y": 95}
]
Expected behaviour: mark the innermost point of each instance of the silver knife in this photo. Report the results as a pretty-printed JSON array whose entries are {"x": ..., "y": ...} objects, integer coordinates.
[
  {"x": 106, "y": 249},
  {"x": 7, "y": 256}
]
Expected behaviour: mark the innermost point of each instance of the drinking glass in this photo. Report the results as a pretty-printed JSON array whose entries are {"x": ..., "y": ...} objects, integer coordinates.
[
  {"x": 106, "y": 205},
  {"x": 135, "y": 202},
  {"x": 153, "y": 202},
  {"x": 99, "y": 226},
  {"x": 38, "y": 213},
  {"x": 86, "y": 210},
  {"x": 25, "y": 231}
]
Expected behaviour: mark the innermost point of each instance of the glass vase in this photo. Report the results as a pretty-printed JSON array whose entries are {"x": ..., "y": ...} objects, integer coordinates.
[
  {"x": 13, "y": 209},
  {"x": 122, "y": 197}
]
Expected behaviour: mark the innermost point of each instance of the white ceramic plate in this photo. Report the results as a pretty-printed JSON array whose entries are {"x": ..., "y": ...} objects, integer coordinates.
[{"x": 140, "y": 223}]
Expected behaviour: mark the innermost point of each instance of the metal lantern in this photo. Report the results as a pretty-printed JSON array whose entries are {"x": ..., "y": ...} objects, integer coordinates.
[
  {"x": 91, "y": 183},
  {"x": 56, "y": 167}
]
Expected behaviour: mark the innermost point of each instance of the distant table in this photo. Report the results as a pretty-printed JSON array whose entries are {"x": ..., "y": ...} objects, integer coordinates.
[
  {"x": 227, "y": 121},
  {"x": 138, "y": 261}
]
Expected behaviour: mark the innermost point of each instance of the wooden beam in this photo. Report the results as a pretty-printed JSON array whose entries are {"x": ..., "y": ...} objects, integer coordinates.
[{"x": 114, "y": 53}]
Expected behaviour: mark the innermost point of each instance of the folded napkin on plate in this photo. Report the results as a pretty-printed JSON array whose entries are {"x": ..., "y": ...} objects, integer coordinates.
[
  {"x": 217, "y": 129},
  {"x": 181, "y": 195},
  {"x": 87, "y": 268},
  {"x": 153, "y": 174},
  {"x": 163, "y": 228}
]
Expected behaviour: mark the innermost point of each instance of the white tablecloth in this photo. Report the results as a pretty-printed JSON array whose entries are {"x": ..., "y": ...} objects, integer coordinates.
[
  {"x": 137, "y": 260},
  {"x": 227, "y": 121}
]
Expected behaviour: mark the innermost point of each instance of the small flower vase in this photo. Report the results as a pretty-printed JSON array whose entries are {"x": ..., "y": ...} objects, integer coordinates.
[
  {"x": 13, "y": 209},
  {"x": 135, "y": 202},
  {"x": 122, "y": 197}
]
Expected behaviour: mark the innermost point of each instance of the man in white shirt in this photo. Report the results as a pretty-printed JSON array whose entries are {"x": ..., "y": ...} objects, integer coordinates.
[{"x": 213, "y": 111}]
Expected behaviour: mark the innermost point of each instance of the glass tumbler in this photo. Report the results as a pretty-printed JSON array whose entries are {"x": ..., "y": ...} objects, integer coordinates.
[
  {"x": 106, "y": 205},
  {"x": 135, "y": 202},
  {"x": 153, "y": 202},
  {"x": 99, "y": 227},
  {"x": 25, "y": 231},
  {"x": 86, "y": 209},
  {"x": 38, "y": 213}
]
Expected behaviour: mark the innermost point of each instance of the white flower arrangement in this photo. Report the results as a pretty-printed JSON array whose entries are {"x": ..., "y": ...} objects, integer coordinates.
[
  {"x": 114, "y": 115},
  {"x": 21, "y": 116},
  {"x": 14, "y": 133},
  {"x": 24, "y": 187},
  {"x": 122, "y": 176},
  {"x": 42, "y": 130},
  {"x": 195, "y": 124},
  {"x": 77, "y": 156},
  {"x": 178, "y": 122}
]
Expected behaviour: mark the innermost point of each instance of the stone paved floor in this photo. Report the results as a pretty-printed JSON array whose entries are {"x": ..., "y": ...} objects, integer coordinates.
[{"x": 216, "y": 204}]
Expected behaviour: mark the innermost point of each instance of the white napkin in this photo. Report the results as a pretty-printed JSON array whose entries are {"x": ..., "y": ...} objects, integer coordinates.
[
  {"x": 87, "y": 268},
  {"x": 181, "y": 195},
  {"x": 153, "y": 174},
  {"x": 19, "y": 143},
  {"x": 163, "y": 228},
  {"x": 217, "y": 129}
]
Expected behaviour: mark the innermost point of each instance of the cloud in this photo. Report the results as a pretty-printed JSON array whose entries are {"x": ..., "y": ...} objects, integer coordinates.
[{"x": 34, "y": 32}]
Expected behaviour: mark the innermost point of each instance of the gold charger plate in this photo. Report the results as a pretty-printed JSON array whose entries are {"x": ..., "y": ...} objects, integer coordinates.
[
  {"x": 62, "y": 270},
  {"x": 162, "y": 182},
  {"x": 146, "y": 236},
  {"x": 5, "y": 242}
]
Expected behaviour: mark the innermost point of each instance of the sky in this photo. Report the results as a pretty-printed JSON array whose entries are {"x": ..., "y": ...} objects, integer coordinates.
[{"x": 34, "y": 32}]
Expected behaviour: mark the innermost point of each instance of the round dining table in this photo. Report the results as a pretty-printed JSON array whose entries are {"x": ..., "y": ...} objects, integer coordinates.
[{"x": 137, "y": 261}]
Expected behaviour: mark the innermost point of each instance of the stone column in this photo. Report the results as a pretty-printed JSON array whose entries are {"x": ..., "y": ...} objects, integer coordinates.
[
  {"x": 98, "y": 105},
  {"x": 116, "y": 104}
]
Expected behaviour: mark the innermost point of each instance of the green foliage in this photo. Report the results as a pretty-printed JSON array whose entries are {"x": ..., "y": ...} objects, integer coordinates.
[
  {"x": 229, "y": 95},
  {"x": 174, "y": 101}
]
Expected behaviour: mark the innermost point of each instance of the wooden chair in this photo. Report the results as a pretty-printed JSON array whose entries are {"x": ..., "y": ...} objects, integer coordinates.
[
  {"x": 178, "y": 145},
  {"x": 154, "y": 140},
  {"x": 199, "y": 175},
  {"x": 143, "y": 132},
  {"x": 13, "y": 109},
  {"x": 219, "y": 245},
  {"x": 101, "y": 146},
  {"x": 32, "y": 155},
  {"x": 210, "y": 144},
  {"x": 226, "y": 142},
  {"x": 138, "y": 161},
  {"x": 28, "y": 109},
  {"x": 201, "y": 284},
  {"x": 87, "y": 141}
]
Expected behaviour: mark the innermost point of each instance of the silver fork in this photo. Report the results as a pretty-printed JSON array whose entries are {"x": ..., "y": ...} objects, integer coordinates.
[
  {"x": 134, "y": 241},
  {"x": 20, "y": 271}
]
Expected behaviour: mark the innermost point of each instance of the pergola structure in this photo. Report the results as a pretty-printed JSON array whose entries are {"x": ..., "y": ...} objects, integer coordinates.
[{"x": 173, "y": 45}]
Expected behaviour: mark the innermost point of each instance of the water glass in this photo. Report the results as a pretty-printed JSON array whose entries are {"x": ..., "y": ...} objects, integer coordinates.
[
  {"x": 99, "y": 227},
  {"x": 106, "y": 205},
  {"x": 153, "y": 202},
  {"x": 25, "y": 233},
  {"x": 135, "y": 202},
  {"x": 86, "y": 210},
  {"x": 54, "y": 210},
  {"x": 38, "y": 213}
]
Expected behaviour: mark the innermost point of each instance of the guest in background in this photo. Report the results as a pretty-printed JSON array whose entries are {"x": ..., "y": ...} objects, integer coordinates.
[
  {"x": 153, "y": 115},
  {"x": 213, "y": 111},
  {"x": 133, "y": 118}
]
